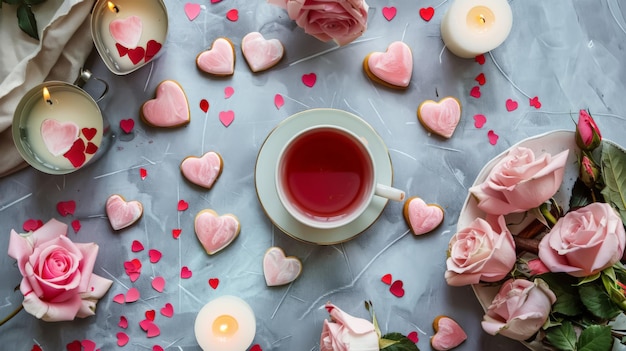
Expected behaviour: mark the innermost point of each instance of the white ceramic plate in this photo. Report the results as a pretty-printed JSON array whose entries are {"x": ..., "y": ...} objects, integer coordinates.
[{"x": 266, "y": 167}]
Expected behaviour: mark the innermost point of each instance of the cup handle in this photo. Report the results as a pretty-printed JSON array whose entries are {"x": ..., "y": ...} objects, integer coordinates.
[
  {"x": 84, "y": 75},
  {"x": 389, "y": 192}
]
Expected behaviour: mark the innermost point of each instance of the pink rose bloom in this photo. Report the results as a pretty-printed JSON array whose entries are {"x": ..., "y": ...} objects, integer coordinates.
[
  {"x": 338, "y": 20},
  {"x": 480, "y": 253},
  {"x": 347, "y": 333},
  {"x": 519, "y": 309},
  {"x": 520, "y": 182},
  {"x": 58, "y": 283},
  {"x": 585, "y": 241}
]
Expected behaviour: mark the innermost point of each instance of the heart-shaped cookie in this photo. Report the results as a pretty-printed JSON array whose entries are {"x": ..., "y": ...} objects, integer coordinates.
[
  {"x": 58, "y": 136},
  {"x": 219, "y": 60},
  {"x": 169, "y": 108},
  {"x": 448, "y": 334},
  {"x": 202, "y": 171},
  {"x": 121, "y": 213},
  {"x": 421, "y": 217},
  {"x": 215, "y": 232},
  {"x": 260, "y": 53},
  {"x": 392, "y": 68},
  {"x": 441, "y": 117},
  {"x": 278, "y": 269},
  {"x": 126, "y": 31}
]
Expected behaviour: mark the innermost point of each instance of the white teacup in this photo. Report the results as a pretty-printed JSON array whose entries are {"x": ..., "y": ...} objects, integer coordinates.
[{"x": 326, "y": 177}]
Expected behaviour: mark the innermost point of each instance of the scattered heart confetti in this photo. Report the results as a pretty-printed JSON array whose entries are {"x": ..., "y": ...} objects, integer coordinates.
[
  {"x": 389, "y": 12},
  {"x": 176, "y": 233},
  {"x": 448, "y": 334},
  {"x": 397, "y": 288},
  {"x": 215, "y": 232},
  {"x": 511, "y": 105},
  {"x": 136, "y": 246},
  {"x": 227, "y": 117},
  {"x": 493, "y": 137},
  {"x": 152, "y": 48},
  {"x": 143, "y": 173},
  {"x": 123, "y": 323},
  {"x": 185, "y": 272},
  {"x": 256, "y": 347},
  {"x": 76, "y": 154},
  {"x": 119, "y": 298},
  {"x": 158, "y": 347},
  {"x": 132, "y": 295},
  {"x": 91, "y": 148},
  {"x": 127, "y": 125},
  {"x": 309, "y": 79},
  {"x": 413, "y": 337},
  {"x": 36, "y": 348},
  {"x": 475, "y": 92},
  {"x": 30, "y": 225},
  {"x": 279, "y": 101},
  {"x": 215, "y": 1},
  {"x": 421, "y": 217},
  {"x": 214, "y": 283},
  {"x": 232, "y": 15},
  {"x": 228, "y": 92},
  {"x": 279, "y": 269},
  {"x": 122, "y": 339},
  {"x": 153, "y": 330},
  {"x": 132, "y": 266},
  {"x": 89, "y": 133},
  {"x": 204, "y": 105},
  {"x": 480, "y": 59},
  {"x": 66, "y": 208},
  {"x": 76, "y": 225},
  {"x": 183, "y": 205},
  {"x": 427, "y": 13},
  {"x": 192, "y": 10},
  {"x": 136, "y": 55},
  {"x": 121, "y": 49},
  {"x": 74, "y": 346},
  {"x": 167, "y": 310},
  {"x": 440, "y": 117},
  {"x": 145, "y": 324},
  {"x": 88, "y": 345},
  {"x": 386, "y": 279},
  {"x": 150, "y": 315},
  {"x": 122, "y": 213},
  {"x": 158, "y": 284},
  {"x": 155, "y": 255},
  {"x": 481, "y": 79},
  {"x": 535, "y": 102},
  {"x": 479, "y": 120}
]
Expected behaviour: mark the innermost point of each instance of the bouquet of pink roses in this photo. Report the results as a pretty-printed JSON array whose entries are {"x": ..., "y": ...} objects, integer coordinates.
[{"x": 558, "y": 279}]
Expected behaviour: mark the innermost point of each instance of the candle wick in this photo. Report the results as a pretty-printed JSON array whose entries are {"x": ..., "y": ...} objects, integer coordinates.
[
  {"x": 49, "y": 101},
  {"x": 482, "y": 19},
  {"x": 116, "y": 9}
]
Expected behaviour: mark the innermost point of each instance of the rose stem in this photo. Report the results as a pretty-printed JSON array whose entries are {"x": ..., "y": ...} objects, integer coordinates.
[{"x": 8, "y": 318}]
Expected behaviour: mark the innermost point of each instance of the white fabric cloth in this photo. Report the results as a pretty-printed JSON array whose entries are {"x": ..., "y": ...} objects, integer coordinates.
[{"x": 65, "y": 43}]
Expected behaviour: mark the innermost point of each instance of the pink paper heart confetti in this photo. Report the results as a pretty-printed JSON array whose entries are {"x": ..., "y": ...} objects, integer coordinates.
[
  {"x": 389, "y": 12},
  {"x": 182, "y": 205},
  {"x": 168, "y": 310},
  {"x": 132, "y": 295},
  {"x": 158, "y": 284},
  {"x": 309, "y": 79},
  {"x": 279, "y": 101},
  {"x": 136, "y": 246},
  {"x": 534, "y": 102},
  {"x": 228, "y": 92},
  {"x": 123, "y": 323},
  {"x": 493, "y": 137},
  {"x": 119, "y": 298},
  {"x": 192, "y": 10},
  {"x": 475, "y": 92},
  {"x": 155, "y": 255},
  {"x": 185, "y": 272},
  {"x": 511, "y": 105},
  {"x": 127, "y": 125},
  {"x": 232, "y": 15},
  {"x": 413, "y": 337},
  {"x": 122, "y": 339},
  {"x": 479, "y": 120},
  {"x": 227, "y": 117}
]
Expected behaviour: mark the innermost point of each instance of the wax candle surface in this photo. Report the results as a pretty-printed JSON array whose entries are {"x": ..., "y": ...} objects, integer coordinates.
[
  {"x": 226, "y": 323},
  {"x": 473, "y": 27}
]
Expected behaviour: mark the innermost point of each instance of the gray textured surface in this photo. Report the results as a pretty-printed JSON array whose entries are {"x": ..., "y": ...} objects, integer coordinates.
[{"x": 568, "y": 53}]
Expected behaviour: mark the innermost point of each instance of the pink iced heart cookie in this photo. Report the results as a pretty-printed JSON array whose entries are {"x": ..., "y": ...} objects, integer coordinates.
[
  {"x": 421, "y": 217},
  {"x": 170, "y": 108},
  {"x": 58, "y": 136},
  {"x": 392, "y": 68},
  {"x": 126, "y": 31},
  {"x": 260, "y": 53},
  {"x": 215, "y": 232},
  {"x": 278, "y": 269},
  {"x": 202, "y": 171},
  {"x": 219, "y": 60},
  {"x": 448, "y": 334},
  {"x": 441, "y": 117},
  {"x": 121, "y": 213}
]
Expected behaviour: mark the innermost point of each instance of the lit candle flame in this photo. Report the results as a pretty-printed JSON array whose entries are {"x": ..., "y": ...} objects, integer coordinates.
[
  {"x": 46, "y": 96},
  {"x": 113, "y": 7}
]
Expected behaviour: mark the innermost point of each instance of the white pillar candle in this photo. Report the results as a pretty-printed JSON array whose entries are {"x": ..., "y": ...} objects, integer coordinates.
[
  {"x": 46, "y": 127},
  {"x": 226, "y": 323},
  {"x": 473, "y": 27},
  {"x": 140, "y": 32}
]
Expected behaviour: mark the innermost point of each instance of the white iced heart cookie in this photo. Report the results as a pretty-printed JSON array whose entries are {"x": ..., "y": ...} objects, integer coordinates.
[
  {"x": 260, "y": 53},
  {"x": 202, "y": 171},
  {"x": 392, "y": 68},
  {"x": 421, "y": 217},
  {"x": 215, "y": 232},
  {"x": 219, "y": 60},
  {"x": 278, "y": 269},
  {"x": 169, "y": 108},
  {"x": 440, "y": 117},
  {"x": 58, "y": 136},
  {"x": 122, "y": 213}
]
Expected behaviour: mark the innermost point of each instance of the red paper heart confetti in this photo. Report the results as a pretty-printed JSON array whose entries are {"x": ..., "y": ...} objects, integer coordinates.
[
  {"x": 427, "y": 13},
  {"x": 150, "y": 315},
  {"x": 493, "y": 137},
  {"x": 122, "y": 339},
  {"x": 215, "y": 1},
  {"x": 30, "y": 225},
  {"x": 511, "y": 105},
  {"x": 132, "y": 295},
  {"x": 136, "y": 246},
  {"x": 36, "y": 348},
  {"x": 481, "y": 79},
  {"x": 176, "y": 233},
  {"x": 158, "y": 284},
  {"x": 158, "y": 347},
  {"x": 76, "y": 154},
  {"x": 168, "y": 310},
  {"x": 136, "y": 55},
  {"x": 119, "y": 298},
  {"x": 228, "y": 92},
  {"x": 475, "y": 92},
  {"x": 204, "y": 105},
  {"x": 89, "y": 133},
  {"x": 182, "y": 205},
  {"x": 214, "y": 283},
  {"x": 389, "y": 12},
  {"x": 309, "y": 79},
  {"x": 535, "y": 102},
  {"x": 88, "y": 345},
  {"x": 76, "y": 225},
  {"x": 155, "y": 255},
  {"x": 279, "y": 101},
  {"x": 256, "y": 347},
  {"x": 185, "y": 272},
  {"x": 479, "y": 120},
  {"x": 227, "y": 117},
  {"x": 152, "y": 48},
  {"x": 121, "y": 49},
  {"x": 123, "y": 323},
  {"x": 413, "y": 337},
  {"x": 386, "y": 279},
  {"x": 192, "y": 10},
  {"x": 74, "y": 346},
  {"x": 480, "y": 59},
  {"x": 66, "y": 208},
  {"x": 143, "y": 173},
  {"x": 397, "y": 288},
  {"x": 232, "y": 15},
  {"x": 127, "y": 125},
  {"x": 91, "y": 148}
]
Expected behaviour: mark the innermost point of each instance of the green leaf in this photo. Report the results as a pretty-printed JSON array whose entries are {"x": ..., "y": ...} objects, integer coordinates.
[
  {"x": 12, "y": 2},
  {"x": 26, "y": 21},
  {"x": 34, "y": 2},
  {"x": 614, "y": 175},
  {"x": 597, "y": 301},
  {"x": 595, "y": 338},
  {"x": 563, "y": 337},
  {"x": 397, "y": 342},
  {"x": 589, "y": 279},
  {"x": 581, "y": 195},
  {"x": 567, "y": 298}
]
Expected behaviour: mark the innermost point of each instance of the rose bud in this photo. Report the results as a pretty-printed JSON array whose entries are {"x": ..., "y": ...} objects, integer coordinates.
[
  {"x": 589, "y": 170},
  {"x": 588, "y": 135}
]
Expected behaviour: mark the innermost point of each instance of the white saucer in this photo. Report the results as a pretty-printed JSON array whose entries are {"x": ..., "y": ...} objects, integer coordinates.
[{"x": 266, "y": 167}]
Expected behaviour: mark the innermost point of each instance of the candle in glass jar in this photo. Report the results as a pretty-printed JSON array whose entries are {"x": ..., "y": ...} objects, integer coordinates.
[
  {"x": 128, "y": 33},
  {"x": 473, "y": 27},
  {"x": 226, "y": 323}
]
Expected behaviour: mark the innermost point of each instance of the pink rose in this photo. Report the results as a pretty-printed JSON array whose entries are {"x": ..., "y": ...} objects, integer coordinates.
[
  {"x": 519, "y": 309},
  {"x": 585, "y": 241},
  {"x": 347, "y": 333},
  {"x": 58, "y": 283},
  {"x": 588, "y": 135},
  {"x": 480, "y": 253},
  {"x": 338, "y": 20},
  {"x": 520, "y": 182}
]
